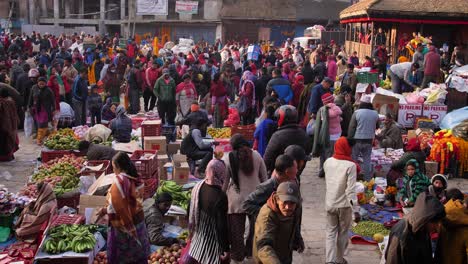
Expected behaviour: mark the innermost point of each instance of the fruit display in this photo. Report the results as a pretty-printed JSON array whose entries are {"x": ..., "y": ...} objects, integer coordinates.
[
  {"x": 370, "y": 228},
  {"x": 80, "y": 131},
  {"x": 386, "y": 84},
  {"x": 62, "y": 177},
  {"x": 101, "y": 258},
  {"x": 77, "y": 162},
  {"x": 29, "y": 190},
  {"x": 58, "y": 142},
  {"x": 224, "y": 132},
  {"x": 77, "y": 238},
  {"x": 379, "y": 238},
  {"x": 166, "y": 255},
  {"x": 179, "y": 197},
  {"x": 56, "y": 170},
  {"x": 183, "y": 235}
]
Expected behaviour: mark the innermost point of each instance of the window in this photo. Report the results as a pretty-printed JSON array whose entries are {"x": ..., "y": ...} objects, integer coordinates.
[
  {"x": 201, "y": 10},
  {"x": 171, "y": 13}
]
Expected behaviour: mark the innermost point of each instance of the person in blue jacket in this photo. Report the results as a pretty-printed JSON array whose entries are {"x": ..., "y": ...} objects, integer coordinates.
[
  {"x": 318, "y": 90},
  {"x": 265, "y": 130},
  {"x": 281, "y": 87}
]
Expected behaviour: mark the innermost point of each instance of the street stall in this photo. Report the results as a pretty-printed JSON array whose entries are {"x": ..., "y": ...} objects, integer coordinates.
[{"x": 443, "y": 21}]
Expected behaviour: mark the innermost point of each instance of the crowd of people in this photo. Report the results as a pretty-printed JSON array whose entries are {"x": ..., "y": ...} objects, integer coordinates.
[{"x": 287, "y": 93}]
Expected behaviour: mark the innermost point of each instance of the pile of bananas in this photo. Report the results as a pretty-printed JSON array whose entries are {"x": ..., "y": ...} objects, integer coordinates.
[
  {"x": 67, "y": 184},
  {"x": 77, "y": 238},
  {"x": 224, "y": 132}
]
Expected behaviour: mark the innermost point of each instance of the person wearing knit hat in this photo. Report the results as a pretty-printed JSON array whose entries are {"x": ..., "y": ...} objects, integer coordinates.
[
  {"x": 340, "y": 200},
  {"x": 327, "y": 129},
  {"x": 327, "y": 98},
  {"x": 438, "y": 187}
]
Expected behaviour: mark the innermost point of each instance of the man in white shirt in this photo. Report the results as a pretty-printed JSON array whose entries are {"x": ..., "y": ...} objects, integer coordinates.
[
  {"x": 397, "y": 74},
  {"x": 340, "y": 200}
]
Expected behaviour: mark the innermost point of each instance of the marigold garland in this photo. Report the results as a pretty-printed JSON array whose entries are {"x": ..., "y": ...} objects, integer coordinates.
[{"x": 444, "y": 148}]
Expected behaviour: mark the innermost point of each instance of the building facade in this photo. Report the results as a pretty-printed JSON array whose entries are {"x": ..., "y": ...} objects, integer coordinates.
[{"x": 251, "y": 20}]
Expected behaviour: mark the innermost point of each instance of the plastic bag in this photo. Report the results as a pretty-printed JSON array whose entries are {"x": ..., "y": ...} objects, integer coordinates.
[
  {"x": 98, "y": 132},
  {"x": 310, "y": 127},
  {"x": 414, "y": 98},
  {"x": 28, "y": 124},
  {"x": 454, "y": 118}
]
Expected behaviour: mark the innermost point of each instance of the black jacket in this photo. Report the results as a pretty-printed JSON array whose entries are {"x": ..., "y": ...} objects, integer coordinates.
[
  {"x": 409, "y": 240},
  {"x": 285, "y": 136}
]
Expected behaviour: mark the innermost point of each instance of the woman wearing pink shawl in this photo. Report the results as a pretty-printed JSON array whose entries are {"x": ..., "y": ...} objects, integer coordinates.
[
  {"x": 208, "y": 217},
  {"x": 332, "y": 68}
]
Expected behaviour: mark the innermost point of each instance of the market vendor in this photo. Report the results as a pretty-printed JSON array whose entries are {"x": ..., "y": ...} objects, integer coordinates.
[
  {"x": 412, "y": 151},
  {"x": 154, "y": 210},
  {"x": 414, "y": 183},
  {"x": 397, "y": 74},
  {"x": 195, "y": 148},
  {"x": 438, "y": 187},
  {"x": 121, "y": 126},
  {"x": 195, "y": 113},
  {"x": 390, "y": 135},
  {"x": 96, "y": 151}
]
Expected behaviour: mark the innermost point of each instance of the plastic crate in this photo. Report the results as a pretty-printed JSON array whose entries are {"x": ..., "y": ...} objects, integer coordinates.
[
  {"x": 367, "y": 77},
  {"x": 146, "y": 168},
  {"x": 151, "y": 128},
  {"x": 137, "y": 121},
  {"x": 50, "y": 154},
  {"x": 67, "y": 219},
  {"x": 246, "y": 131},
  {"x": 106, "y": 168},
  {"x": 69, "y": 201},
  {"x": 151, "y": 185}
]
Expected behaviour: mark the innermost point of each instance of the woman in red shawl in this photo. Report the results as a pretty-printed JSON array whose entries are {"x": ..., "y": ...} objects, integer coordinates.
[
  {"x": 219, "y": 104},
  {"x": 185, "y": 95},
  {"x": 298, "y": 87},
  {"x": 8, "y": 127},
  {"x": 127, "y": 238}
]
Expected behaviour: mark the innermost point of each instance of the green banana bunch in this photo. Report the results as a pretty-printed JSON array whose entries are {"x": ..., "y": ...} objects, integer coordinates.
[
  {"x": 77, "y": 238},
  {"x": 179, "y": 197}
]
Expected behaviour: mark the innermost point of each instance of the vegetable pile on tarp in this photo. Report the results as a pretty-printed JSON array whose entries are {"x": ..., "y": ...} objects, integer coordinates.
[{"x": 369, "y": 229}]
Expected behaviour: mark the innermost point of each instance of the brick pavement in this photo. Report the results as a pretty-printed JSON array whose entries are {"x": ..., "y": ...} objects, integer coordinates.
[{"x": 312, "y": 188}]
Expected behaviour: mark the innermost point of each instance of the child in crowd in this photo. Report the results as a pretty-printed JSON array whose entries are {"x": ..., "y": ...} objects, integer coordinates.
[
  {"x": 95, "y": 105},
  {"x": 264, "y": 131}
]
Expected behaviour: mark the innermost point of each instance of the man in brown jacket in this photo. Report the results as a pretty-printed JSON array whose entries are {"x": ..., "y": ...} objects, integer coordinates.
[{"x": 276, "y": 234}]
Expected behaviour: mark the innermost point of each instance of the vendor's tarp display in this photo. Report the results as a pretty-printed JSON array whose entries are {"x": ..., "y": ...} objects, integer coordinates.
[{"x": 454, "y": 118}]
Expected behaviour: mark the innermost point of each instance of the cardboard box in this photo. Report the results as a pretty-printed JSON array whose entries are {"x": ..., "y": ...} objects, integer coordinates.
[
  {"x": 435, "y": 112},
  {"x": 90, "y": 205},
  {"x": 407, "y": 114},
  {"x": 162, "y": 160},
  {"x": 173, "y": 147},
  {"x": 384, "y": 103},
  {"x": 155, "y": 143},
  {"x": 181, "y": 169},
  {"x": 177, "y": 220},
  {"x": 431, "y": 168},
  {"x": 412, "y": 134}
]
